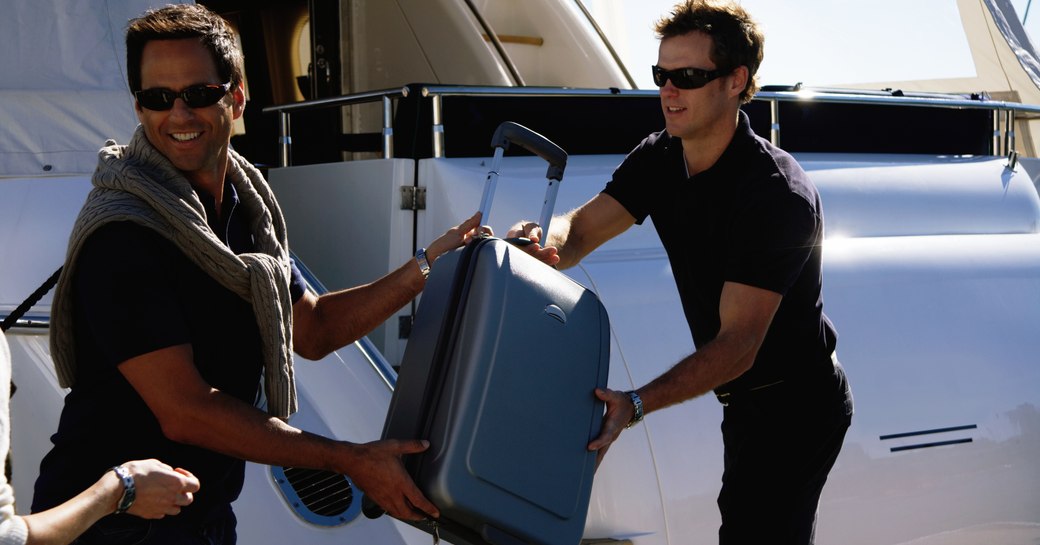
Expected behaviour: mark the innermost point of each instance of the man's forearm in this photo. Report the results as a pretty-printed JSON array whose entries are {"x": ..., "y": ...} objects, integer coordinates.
[
  {"x": 345, "y": 316},
  {"x": 560, "y": 237},
  {"x": 718, "y": 362},
  {"x": 227, "y": 425}
]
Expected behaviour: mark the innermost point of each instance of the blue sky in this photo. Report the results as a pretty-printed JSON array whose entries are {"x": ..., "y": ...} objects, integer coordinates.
[{"x": 824, "y": 42}]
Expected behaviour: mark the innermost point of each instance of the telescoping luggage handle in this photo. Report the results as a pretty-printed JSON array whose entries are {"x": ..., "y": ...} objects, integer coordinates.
[{"x": 510, "y": 132}]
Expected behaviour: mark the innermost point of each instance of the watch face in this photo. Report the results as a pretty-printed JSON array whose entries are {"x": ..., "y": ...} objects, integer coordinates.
[
  {"x": 424, "y": 264},
  {"x": 637, "y": 405}
]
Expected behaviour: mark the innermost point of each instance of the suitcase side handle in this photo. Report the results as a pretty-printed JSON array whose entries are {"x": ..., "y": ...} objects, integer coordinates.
[{"x": 510, "y": 132}]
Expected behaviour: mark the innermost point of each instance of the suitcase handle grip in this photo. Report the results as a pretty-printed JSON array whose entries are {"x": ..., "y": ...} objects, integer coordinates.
[{"x": 510, "y": 132}]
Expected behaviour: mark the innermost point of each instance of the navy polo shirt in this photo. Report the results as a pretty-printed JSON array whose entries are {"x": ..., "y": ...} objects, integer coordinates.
[
  {"x": 754, "y": 218},
  {"x": 135, "y": 292}
]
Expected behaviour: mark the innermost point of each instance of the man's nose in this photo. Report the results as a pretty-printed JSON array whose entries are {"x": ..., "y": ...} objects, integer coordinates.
[
  {"x": 669, "y": 88},
  {"x": 181, "y": 108}
]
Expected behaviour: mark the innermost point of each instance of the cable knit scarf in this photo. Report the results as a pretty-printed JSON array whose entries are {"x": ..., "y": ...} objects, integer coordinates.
[{"x": 137, "y": 183}]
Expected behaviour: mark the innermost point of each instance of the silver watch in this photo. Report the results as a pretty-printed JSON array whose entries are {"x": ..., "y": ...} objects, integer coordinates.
[
  {"x": 129, "y": 490},
  {"x": 424, "y": 264},
  {"x": 637, "y": 404}
]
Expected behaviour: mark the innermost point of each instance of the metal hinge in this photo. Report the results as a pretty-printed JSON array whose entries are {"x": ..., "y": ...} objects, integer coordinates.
[{"x": 413, "y": 197}]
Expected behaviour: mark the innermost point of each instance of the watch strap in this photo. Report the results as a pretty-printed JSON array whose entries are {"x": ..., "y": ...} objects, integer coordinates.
[
  {"x": 637, "y": 404},
  {"x": 424, "y": 264},
  {"x": 129, "y": 490}
]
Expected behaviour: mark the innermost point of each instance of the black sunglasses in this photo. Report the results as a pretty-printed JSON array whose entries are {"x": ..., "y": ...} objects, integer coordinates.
[
  {"x": 686, "y": 78},
  {"x": 196, "y": 96}
]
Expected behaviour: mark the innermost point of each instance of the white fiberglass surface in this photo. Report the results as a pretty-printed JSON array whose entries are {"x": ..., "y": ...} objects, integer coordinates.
[
  {"x": 938, "y": 337},
  {"x": 890, "y": 195}
]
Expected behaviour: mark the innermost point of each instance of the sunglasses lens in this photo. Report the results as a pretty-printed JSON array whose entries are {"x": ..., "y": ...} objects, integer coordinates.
[
  {"x": 198, "y": 96},
  {"x": 660, "y": 76},
  {"x": 155, "y": 99},
  {"x": 202, "y": 96},
  {"x": 683, "y": 78}
]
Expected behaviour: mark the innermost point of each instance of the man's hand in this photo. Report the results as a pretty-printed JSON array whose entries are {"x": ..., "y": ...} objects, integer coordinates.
[
  {"x": 619, "y": 414},
  {"x": 533, "y": 232},
  {"x": 455, "y": 237},
  {"x": 161, "y": 489},
  {"x": 378, "y": 471}
]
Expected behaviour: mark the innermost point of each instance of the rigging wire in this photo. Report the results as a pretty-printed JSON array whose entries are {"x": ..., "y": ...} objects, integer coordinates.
[{"x": 1026, "y": 15}]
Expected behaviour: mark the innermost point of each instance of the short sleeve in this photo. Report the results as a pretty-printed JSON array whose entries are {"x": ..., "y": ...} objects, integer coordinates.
[
  {"x": 297, "y": 283},
  {"x": 634, "y": 179},
  {"x": 773, "y": 238},
  {"x": 122, "y": 292}
]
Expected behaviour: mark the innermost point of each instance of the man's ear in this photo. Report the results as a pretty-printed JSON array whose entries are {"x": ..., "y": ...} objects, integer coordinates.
[
  {"x": 139, "y": 111},
  {"x": 738, "y": 80},
  {"x": 238, "y": 95}
]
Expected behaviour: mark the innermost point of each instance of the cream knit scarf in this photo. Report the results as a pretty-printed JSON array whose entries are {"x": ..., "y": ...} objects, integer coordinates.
[{"x": 137, "y": 183}]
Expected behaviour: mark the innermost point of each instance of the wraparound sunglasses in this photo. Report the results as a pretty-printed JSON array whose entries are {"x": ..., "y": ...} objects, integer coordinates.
[
  {"x": 196, "y": 96},
  {"x": 686, "y": 78}
]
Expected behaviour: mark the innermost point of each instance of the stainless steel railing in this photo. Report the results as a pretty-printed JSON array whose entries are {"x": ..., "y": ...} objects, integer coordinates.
[
  {"x": 386, "y": 96},
  {"x": 1003, "y": 125}
]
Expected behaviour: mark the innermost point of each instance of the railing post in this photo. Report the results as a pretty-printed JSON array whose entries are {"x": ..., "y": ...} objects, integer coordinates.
[
  {"x": 774, "y": 122},
  {"x": 438, "y": 127},
  {"x": 388, "y": 128},
  {"x": 1009, "y": 131},
  {"x": 997, "y": 137},
  {"x": 285, "y": 139}
]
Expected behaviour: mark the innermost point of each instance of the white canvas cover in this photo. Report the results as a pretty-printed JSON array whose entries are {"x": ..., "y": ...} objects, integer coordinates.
[
  {"x": 1005, "y": 61},
  {"x": 63, "y": 88}
]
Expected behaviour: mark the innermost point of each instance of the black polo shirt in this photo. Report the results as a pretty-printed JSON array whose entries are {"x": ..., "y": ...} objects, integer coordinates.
[
  {"x": 753, "y": 217},
  {"x": 136, "y": 292}
]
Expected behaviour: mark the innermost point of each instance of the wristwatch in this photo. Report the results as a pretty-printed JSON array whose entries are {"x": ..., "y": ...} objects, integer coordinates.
[
  {"x": 129, "y": 490},
  {"x": 637, "y": 404},
  {"x": 424, "y": 265}
]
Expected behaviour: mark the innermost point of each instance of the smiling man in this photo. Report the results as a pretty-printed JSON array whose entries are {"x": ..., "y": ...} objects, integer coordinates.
[
  {"x": 178, "y": 295},
  {"x": 194, "y": 140},
  {"x": 743, "y": 228}
]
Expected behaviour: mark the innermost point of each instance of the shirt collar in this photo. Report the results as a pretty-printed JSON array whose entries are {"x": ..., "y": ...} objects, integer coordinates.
[
  {"x": 742, "y": 137},
  {"x": 231, "y": 200}
]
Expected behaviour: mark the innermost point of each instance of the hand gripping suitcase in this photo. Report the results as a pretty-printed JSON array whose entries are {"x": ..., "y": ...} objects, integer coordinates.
[{"x": 498, "y": 374}]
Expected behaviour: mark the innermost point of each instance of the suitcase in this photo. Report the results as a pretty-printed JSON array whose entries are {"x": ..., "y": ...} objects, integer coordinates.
[{"x": 498, "y": 374}]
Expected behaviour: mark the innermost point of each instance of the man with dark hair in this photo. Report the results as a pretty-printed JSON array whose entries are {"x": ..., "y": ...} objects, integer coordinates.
[
  {"x": 743, "y": 228},
  {"x": 178, "y": 294}
]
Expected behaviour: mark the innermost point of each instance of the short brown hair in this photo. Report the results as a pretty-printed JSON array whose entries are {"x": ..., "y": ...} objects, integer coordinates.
[
  {"x": 736, "y": 38},
  {"x": 182, "y": 21}
]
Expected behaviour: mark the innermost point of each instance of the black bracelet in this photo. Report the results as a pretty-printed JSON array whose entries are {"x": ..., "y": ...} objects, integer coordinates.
[{"x": 129, "y": 490}]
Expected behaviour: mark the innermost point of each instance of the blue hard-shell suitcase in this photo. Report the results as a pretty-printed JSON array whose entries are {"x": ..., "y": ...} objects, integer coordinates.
[{"x": 498, "y": 374}]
